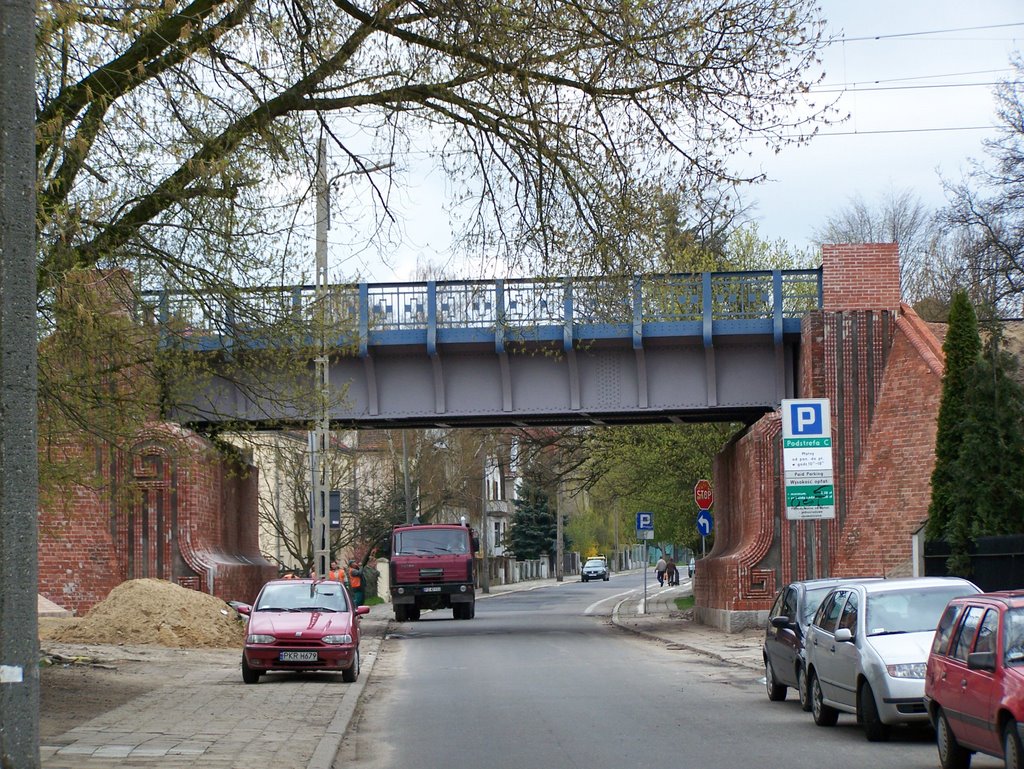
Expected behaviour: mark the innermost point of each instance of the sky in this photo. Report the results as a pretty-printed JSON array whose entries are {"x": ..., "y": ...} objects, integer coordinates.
[
  {"x": 916, "y": 78},
  {"x": 919, "y": 100}
]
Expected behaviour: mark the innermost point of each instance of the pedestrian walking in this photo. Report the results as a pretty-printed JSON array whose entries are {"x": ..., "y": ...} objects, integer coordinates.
[
  {"x": 659, "y": 570},
  {"x": 672, "y": 572}
]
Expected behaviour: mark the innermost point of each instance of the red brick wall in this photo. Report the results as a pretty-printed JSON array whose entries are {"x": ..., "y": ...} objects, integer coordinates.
[
  {"x": 892, "y": 487},
  {"x": 183, "y": 514},
  {"x": 862, "y": 276},
  {"x": 880, "y": 367}
]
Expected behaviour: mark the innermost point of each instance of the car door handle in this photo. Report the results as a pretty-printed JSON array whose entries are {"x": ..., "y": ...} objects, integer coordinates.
[
  {"x": 963, "y": 683},
  {"x": 832, "y": 648}
]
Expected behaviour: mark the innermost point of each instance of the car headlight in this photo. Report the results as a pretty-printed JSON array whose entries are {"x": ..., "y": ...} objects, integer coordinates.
[
  {"x": 259, "y": 639},
  {"x": 337, "y": 639},
  {"x": 907, "y": 670}
]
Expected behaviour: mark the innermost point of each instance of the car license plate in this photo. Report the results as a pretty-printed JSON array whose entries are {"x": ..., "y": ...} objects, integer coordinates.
[
  {"x": 432, "y": 590},
  {"x": 298, "y": 657}
]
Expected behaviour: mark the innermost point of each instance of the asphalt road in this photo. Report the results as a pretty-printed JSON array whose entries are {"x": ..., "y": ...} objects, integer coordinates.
[{"x": 543, "y": 679}]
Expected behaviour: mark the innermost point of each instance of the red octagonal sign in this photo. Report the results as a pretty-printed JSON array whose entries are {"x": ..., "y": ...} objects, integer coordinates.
[{"x": 702, "y": 493}]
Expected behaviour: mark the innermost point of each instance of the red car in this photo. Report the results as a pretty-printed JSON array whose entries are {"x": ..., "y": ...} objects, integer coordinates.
[
  {"x": 301, "y": 624},
  {"x": 974, "y": 683}
]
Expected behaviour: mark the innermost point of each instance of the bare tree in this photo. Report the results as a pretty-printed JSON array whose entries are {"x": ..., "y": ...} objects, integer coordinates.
[{"x": 986, "y": 209}]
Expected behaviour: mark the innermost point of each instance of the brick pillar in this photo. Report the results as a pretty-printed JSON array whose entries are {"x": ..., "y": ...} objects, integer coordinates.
[{"x": 860, "y": 276}]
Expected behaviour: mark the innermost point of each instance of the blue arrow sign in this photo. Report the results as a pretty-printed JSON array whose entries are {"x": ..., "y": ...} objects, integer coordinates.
[{"x": 705, "y": 523}]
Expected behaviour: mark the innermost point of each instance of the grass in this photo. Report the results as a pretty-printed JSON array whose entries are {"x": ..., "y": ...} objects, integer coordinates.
[
  {"x": 374, "y": 601},
  {"x": 686, "y": 602}
]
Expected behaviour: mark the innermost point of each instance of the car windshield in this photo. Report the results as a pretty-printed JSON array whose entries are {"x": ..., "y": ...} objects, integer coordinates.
[
  {"x": 302, "y": 596},
  {"x": 431, "y": 541},
  {"x": 593, "y": 563},
  {"x": 1014, "y": 637},
  {"x": 909, "y": 611},
  {"x": 812, "y": 600}
]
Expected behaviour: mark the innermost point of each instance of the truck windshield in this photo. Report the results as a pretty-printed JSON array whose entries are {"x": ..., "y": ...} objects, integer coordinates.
[{"x": 431, "y": 542}]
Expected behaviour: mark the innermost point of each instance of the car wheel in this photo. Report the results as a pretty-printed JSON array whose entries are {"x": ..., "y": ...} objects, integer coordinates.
[
  {"x": 249, "y": 675},
  {"x": 1012, "y": 753},
  {"x": 801, "y": 688},
  {"x": 350, "y": 675},
  {"x": 605, "y": 577},
  {"x": 952, "y": 755},
  {"x": 776, "y": 691},
  {"x": 583, "y": 579},
  {"x": 874, "y": 729},
  {"x": 823, "y": 714}
]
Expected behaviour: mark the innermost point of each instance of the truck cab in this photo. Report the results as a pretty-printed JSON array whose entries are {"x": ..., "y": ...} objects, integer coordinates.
[{"x": 432, "y": 567}]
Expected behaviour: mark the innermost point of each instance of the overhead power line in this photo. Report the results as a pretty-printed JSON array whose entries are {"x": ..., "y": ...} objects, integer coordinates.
[{"x": 929, "y": 32}]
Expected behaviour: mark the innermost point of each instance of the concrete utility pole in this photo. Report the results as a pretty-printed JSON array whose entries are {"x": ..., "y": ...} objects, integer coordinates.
[
  {"x": 559, "y": 541},
  {"x": 19, "y": 472},
  {"x": 321, "y": 530}
]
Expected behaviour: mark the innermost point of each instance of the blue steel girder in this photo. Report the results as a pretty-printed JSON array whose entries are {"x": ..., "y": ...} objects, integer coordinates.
[{"x": 658, "y": 320}]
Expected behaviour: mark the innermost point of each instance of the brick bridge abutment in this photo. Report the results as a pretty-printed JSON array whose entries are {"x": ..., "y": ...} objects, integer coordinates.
[{"x": 881, "y": 368}]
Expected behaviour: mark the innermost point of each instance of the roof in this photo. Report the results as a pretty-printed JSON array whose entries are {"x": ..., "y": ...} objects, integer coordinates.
[
  {"x": 911, "y": 583},
  {"x": 1012, "y": 598}
]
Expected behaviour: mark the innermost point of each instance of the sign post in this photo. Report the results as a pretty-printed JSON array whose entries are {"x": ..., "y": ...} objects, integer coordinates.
[
  {"x": 807, "y": 459},
  {"x": 645, "y": 531},
  {"x": 704, "y": 496}
]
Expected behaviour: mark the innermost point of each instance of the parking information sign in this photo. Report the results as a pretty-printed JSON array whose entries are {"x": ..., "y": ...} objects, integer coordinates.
[
  {"x": 807, "y": 459},
  {"x": 645, "y": 525}
]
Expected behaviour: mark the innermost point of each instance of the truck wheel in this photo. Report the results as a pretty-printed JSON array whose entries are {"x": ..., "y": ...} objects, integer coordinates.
[
  {"x": 472, "y": 610},
  {"x": 459, "y": 611},
  {"x": 414, "y": 613},
  {"x": 401, "y": 612}
]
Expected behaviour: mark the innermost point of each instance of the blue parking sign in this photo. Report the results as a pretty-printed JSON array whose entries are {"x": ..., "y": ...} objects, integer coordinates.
[
  {"x": 645, "y": 521},
  {"x": 806, "y": 418}
]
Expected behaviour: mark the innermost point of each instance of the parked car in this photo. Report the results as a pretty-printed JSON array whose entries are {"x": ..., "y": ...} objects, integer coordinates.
[
  {"x": 301, "y": 624},
  {"x": 783, "y": 650},
  {"x": 867, "y": 648},
  {"x": 974, "y": 683},
  {"x": 595, "y": 568}
]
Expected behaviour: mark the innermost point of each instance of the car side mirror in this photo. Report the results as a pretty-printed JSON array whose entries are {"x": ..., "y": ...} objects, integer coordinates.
[
  {"x": 844, "y": 635},
  {"x": 361, "y": 610},
  {"x": 242, "y": 608},
  {"x": 781, "y": 622},
  {"x": 981, "y": 661}
]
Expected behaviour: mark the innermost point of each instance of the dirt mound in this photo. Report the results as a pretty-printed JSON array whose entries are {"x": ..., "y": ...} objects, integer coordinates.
[{"x": 153, "y": 611}]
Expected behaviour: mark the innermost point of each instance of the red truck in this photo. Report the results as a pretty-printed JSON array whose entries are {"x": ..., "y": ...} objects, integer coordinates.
[{"x": 432, "y": 568}]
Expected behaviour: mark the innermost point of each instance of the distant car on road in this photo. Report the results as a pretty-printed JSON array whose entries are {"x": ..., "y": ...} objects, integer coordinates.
[
  {"x": 301, "y": 625},
  {"x": 867, "y": 648},
  {"x": 692, "y": 567},
  {"x": 974, "y": 683},
  {"x": 783, "y": 650},
  {"x": 595, "y": 568}
]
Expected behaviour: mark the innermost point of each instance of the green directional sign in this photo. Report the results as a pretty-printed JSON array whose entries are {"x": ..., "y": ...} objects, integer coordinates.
[{"x": 810, "y": 496}]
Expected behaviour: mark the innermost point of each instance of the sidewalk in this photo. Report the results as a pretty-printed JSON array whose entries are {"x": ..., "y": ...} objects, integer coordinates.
[{"x": 207, "y": 718}]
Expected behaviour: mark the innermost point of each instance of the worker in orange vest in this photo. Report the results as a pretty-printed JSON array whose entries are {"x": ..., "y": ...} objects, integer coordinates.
[
  {"x": 355, "y": 583},
  {"x": 336, "y": 573}
]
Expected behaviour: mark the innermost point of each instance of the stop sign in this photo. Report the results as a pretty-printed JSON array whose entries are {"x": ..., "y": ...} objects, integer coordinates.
[{"x": 702, "y": 493}]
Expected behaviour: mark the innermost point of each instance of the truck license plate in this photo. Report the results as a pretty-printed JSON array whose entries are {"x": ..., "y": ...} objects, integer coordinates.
[
  {"x": 298, "y": 657},
  {"x": 432, "y": 590}
]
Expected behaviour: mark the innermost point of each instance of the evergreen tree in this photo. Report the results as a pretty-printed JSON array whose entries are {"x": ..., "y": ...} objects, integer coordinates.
[
  {"x": 963, "y": 349},
  {"x": 989, "y": 499},
  {"x": 534, "y": 530}
]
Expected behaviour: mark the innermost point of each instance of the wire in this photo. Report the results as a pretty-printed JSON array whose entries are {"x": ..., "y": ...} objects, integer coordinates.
[
  {"x": 852, "y": 88},
  {"x": 930, "y": 32},
  {"x": 906, "y": 130}
]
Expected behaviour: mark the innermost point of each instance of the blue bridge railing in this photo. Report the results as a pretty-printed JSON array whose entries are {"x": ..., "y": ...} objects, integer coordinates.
[{"x": 566, "y": 309}]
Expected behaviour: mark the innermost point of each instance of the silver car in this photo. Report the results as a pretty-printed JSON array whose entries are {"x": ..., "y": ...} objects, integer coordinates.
[
  {"x": 595, "y": 568},
  {"x": 867, "y": 649}
]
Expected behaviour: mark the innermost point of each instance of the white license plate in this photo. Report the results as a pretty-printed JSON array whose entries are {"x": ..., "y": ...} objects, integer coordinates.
[
  {"x": 298, "y": 657},
  {"x": 431, "y": 590}
]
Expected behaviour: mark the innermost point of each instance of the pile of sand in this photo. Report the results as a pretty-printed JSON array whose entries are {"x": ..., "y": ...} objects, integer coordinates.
[{"x": 153, "y": 611}]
